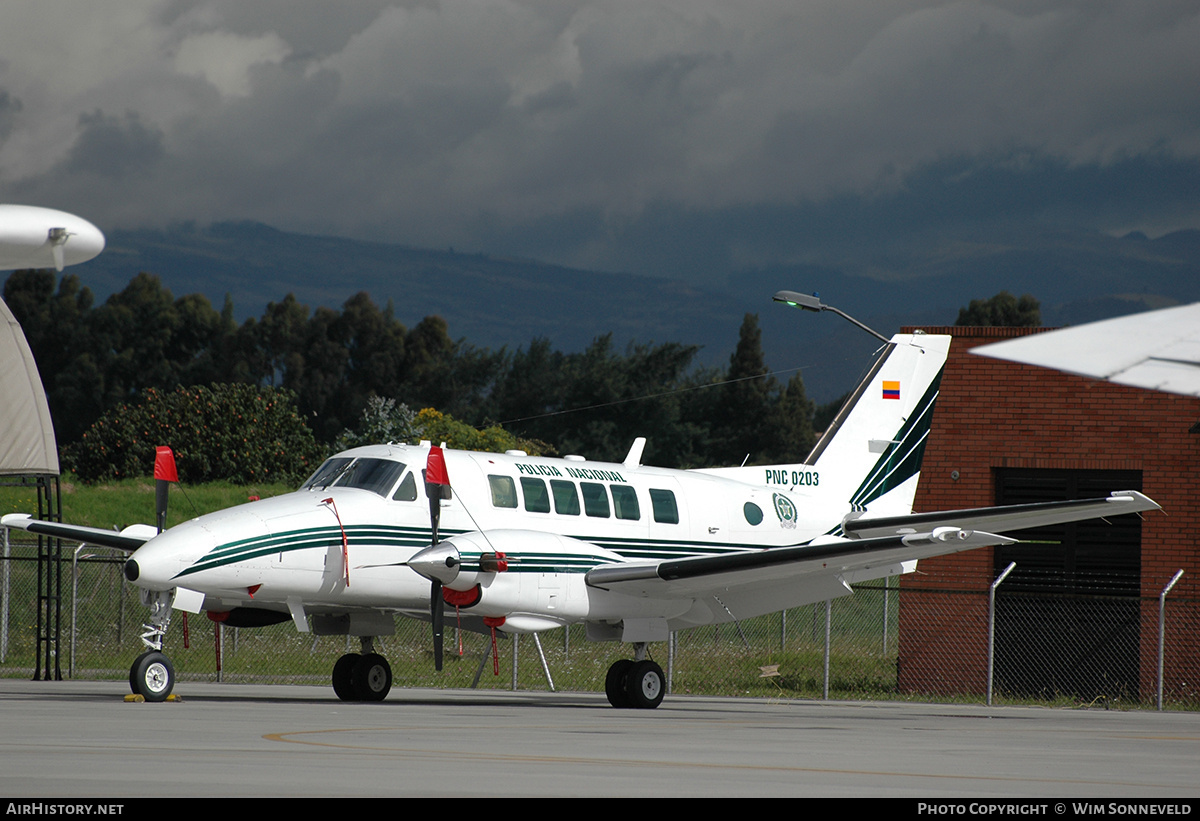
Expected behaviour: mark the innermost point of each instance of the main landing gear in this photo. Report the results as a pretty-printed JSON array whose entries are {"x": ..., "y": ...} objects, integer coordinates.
[
  {"x": 637, "y": 683},
  {"x": 362, "y": 676}
]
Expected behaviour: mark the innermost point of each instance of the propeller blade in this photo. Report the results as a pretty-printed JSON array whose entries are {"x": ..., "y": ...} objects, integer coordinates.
[
  {"x": 437, "y": 486},
  {"x": 164, "y": 474},
  {"x": 437, "y": 607}
]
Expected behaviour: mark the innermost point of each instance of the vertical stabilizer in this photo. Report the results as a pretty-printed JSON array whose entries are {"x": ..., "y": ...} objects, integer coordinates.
[
  {"x": 871, "y": 454},
  {"x": 870, "y": 457}
]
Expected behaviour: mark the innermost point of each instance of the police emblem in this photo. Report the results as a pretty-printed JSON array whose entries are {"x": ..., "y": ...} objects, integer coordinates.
[{"x": 785, "y": 510}]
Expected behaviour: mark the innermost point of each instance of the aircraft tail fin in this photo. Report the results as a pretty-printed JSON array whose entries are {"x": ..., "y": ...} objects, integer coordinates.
[{"x": 870, "y": 456}]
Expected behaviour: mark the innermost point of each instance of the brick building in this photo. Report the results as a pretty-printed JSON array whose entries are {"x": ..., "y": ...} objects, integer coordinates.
[{"x": 1080, "y": 613}]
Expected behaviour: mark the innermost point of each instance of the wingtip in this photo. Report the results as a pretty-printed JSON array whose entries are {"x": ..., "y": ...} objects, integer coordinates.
[
  {"x": 18, "y": 520},
  {"x": 1140, "y": 501}
]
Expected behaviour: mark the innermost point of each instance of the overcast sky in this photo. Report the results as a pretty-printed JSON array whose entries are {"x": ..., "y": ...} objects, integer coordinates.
[{"x": 608, "y": 133}]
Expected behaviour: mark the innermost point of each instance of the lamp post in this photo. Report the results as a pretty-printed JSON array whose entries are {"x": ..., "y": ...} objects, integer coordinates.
[{"x": 811, "y": 302}]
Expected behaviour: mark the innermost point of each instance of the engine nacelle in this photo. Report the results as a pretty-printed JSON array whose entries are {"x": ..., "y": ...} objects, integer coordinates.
[{"x": 533, "y": 579}]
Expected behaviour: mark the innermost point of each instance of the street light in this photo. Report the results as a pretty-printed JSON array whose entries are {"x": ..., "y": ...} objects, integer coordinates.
[{"x": 811, "y": 302}]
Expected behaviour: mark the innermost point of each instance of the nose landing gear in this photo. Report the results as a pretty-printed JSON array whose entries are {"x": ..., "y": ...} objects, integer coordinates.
[{"x": 151, "y": 676}]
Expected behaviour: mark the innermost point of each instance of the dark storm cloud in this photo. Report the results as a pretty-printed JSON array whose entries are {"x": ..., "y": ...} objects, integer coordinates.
[
  {"x": 654, "y": 135},
  {"x": 10, "y": 107},
  {"x": 114, "y": 147}
]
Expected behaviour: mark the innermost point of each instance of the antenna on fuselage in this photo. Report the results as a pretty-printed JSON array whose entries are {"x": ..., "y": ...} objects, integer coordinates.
[{"x": 634, "y": 459}]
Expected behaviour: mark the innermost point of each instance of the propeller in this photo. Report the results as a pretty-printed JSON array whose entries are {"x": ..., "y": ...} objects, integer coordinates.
[
  {"x": 437, "y": 487},
  {"x": 164, "y": 473},
  {"x": 438, "y": 563}
]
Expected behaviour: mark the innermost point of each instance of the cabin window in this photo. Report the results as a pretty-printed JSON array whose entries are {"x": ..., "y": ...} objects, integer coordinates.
[
  {"x": 407, "y": 492},
  {"x": 665, "y": 509},
  {"x": 566, "y": 500},
  {"x": 626, "y": 503},
  {"x": 753, "y": 513},
  {"x": 504, "y": 491},
  {"x": 595, "y": 499},
  {"x": 537, "y": 500}
]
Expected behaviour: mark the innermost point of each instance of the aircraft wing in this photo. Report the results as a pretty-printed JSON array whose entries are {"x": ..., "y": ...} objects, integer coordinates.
[
  {"x": 129, "y": 539},
  {"x": 1159, "y": 350},
  {"x": 1003, "y": 519},
  {"x": 825, "y": 567}
]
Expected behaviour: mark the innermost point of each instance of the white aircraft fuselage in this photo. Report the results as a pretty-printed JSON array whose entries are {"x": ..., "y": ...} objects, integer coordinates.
[{"x": 556, "y": 518}]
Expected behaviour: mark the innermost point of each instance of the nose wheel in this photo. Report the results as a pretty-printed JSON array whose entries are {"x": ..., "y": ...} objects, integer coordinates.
[{"x": 152, "y": 677}]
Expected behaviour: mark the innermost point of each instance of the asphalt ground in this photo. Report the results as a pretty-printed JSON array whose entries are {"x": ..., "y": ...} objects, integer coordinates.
[{"x": 82, "y": 739}]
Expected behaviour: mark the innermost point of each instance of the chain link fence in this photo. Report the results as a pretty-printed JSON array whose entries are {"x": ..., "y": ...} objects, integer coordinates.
[{"x": 893, "y": 639}]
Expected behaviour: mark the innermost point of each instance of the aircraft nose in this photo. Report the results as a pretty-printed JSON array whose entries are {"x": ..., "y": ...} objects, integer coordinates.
[{"x": 157, "y": 564}]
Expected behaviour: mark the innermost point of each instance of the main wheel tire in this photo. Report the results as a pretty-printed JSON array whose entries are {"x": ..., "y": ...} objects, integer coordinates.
[
  {"x": 152, "y": 676},
  {"x": 343, "y": 677},
  {"x": 645, "y": 685},
  {"x": 372, "y": 678},
  {"x": 614, "y": 683}
]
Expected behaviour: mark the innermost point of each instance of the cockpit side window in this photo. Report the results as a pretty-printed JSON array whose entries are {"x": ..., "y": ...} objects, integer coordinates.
[{"x": 407, "y": 492}]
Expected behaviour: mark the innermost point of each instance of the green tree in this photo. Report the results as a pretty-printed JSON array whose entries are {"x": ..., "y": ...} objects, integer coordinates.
[
  {"x": 57, "y": 326},
  {"x": 791, "y": 434},
  {"x": 595, "y": 402},
  {"x": 383, "y": 420},
  {"x": 743, "y": 424},
  {"x": 1004, "y": 310},
  {"x": 238, "y": 433},
  {"x": 438, "y": 427}
]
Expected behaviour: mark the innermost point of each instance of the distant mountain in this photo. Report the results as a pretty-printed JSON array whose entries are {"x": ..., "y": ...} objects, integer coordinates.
[{"x": 494, "y": 302}]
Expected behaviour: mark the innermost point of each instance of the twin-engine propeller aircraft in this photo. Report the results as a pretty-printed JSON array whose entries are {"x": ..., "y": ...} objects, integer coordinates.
[{"x": 533, "y": 544}]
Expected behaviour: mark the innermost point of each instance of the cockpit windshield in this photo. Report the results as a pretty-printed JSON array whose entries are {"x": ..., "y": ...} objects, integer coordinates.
[
  {"x": 376, "y": 475},
  {"x": 326, "y": 473}
]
